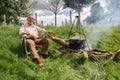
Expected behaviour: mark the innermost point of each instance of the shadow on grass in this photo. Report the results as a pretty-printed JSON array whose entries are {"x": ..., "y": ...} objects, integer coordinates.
[
  {"x": 76, "y": 62},
  {"x": 18, "y": 50}
]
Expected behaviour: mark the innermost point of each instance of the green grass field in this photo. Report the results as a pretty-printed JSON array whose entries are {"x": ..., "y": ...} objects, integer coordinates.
[{"x": 15, "y": 66}]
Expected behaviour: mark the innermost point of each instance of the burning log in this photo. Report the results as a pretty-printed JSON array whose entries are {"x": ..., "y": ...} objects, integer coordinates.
[
  {"x": 102, "y": 51},
  {"x": 105, "y": 54},
  {"x": 114, "y": 57},
  {"x": 117, "y": 56},
  {"x": 105, "y": 63},
  {"x": 99, "y": 53}
]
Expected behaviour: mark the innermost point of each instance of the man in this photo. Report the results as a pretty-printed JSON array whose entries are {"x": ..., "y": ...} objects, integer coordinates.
[{"x": 31, "y": 31}]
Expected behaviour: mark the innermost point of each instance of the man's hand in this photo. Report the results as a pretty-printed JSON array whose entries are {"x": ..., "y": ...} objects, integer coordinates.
[
  {"x": 26, "y": 33},
  {"x": 49, "y": 32},
  {"x": 32, "y": 37}
]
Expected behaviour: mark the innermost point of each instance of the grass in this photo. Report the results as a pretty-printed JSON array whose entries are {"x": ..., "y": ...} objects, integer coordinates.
[
  {"x": 13, "y": 66},
  {"x": 110, "y": 41}
]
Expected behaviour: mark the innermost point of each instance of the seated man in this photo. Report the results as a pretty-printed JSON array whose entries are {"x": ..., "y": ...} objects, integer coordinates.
[{"x": 31, "y": 31}]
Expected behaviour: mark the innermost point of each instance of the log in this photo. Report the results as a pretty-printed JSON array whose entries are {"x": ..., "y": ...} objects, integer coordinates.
[
  {"x": 114, "y": 57},
  {"x": 117, "y": 56},
  {"x": 105, "y": 63}
]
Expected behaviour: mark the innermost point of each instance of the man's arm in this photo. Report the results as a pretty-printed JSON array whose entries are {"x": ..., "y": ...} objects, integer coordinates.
[{"x": 41, "y": 30}]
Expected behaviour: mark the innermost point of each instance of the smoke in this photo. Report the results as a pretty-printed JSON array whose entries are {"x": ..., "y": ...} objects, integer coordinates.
[
  {"x": 111, "y": 12},
  {"x": 95, "y": 32},
  {"x": 111, "y": 16},
  {"x": 108, "y": 18}
]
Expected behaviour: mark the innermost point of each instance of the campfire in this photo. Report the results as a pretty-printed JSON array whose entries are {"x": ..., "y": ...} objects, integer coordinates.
[{"x": 78, "y": 46}]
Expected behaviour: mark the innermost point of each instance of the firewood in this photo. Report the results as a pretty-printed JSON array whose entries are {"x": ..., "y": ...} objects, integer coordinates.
[
  {"x": 58, "y": 52},
  {"x": 105, "y": 63}
]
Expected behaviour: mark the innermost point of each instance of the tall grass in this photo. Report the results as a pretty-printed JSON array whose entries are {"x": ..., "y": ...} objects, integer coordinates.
[
  {"x": 56, "y": 67},
  {"x": 110, "y": 40}
]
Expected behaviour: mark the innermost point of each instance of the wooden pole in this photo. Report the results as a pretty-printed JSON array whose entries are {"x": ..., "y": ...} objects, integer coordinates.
[
  {"x": 70, "y": 17},
  {"x": 42, "y": 23},
  {"x": 35, "y": 18},
  {"x": 4, "y": 19},
  {"x": 65, "y": 21},
  {"x": 62, "y": 23}
]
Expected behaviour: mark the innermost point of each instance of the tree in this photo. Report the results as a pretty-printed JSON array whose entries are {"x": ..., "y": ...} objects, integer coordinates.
[
  {"x": 6, "y": 9},
  {"x": 97, "y": 13},
  {"x": 51, "y": 5},
  {"x": 78, "y": 5},
  {"x": 12, "y": 9},
  {"x": 21, "y": 7}
]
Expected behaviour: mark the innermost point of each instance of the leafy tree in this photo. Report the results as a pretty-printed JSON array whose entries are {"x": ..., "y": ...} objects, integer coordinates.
[
  {"x": 7, "y": 9},
  {"x": 21, "y": 6},
  {"x": 78, "y": 5},
  {"x": 51, "y": 5},
  {"x": 96, "y": 14},
  {"x": 12, "y": 9}
]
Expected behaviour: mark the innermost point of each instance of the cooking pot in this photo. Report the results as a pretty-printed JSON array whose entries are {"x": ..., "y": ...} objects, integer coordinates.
[{"x": 77, "y": 44}]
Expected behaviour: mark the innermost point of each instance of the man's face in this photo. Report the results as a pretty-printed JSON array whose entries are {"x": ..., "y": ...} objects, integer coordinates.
[{"x": 30, "y": 18}]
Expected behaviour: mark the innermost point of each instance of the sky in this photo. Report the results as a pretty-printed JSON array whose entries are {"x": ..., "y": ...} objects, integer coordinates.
[
  {"x": 48, "y": 17},
  {"x": 63, "y": 16}
]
